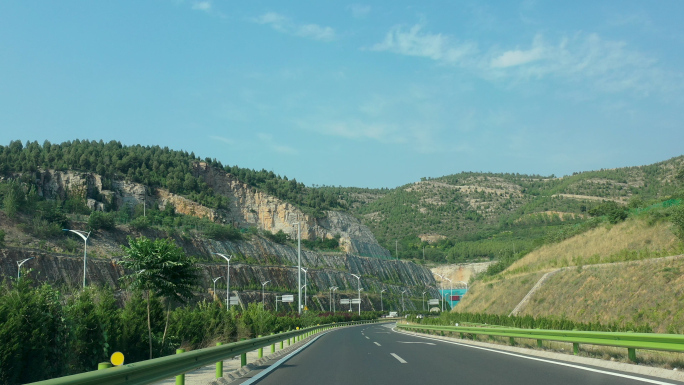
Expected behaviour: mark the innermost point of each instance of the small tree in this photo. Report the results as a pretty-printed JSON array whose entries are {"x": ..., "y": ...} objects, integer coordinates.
[
  {"x": 678, "y": 221},
  {"x": 162, "y": 268}
]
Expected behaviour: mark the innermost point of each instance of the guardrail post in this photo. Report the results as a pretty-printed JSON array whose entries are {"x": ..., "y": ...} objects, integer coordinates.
[
  {"x": 575, "y": 348},
  {"x": 273, "y": 345},
  {"x": 462, "y": 336},
  {"x": 261, "y": 350},
  {"x": 104, "y": 365},
  {"x": 539, "y": 343},
  {"x": 219, "y": 365},
  {"x": 180, "y": 379},
  {"x": 631, "y": 353},
  {"x": 243, "y": 356},
  {"x": 511, "y": 340}
]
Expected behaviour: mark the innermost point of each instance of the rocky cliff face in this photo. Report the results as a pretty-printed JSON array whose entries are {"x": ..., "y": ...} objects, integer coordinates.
[
  {"x": 248, "y": 207},
  {"x": 254, "y": 262}
]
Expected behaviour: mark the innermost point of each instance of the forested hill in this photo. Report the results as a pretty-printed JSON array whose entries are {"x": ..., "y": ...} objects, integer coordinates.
[
  {"x": 469, "y": 215},
  {"x": 155, "y": 166},
  {"x": 454, "y": 218}
]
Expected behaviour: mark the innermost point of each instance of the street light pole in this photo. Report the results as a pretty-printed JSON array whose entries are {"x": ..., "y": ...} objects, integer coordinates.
[
  {"x": 216, "y": 279},
  {"x": 19, "y": 263},
  {"x": 227, "y": 278},
  {"x": 424, "y": 300},
  {"x": 299, "y": 265},
  {"x": 333, "y": 290},
  {"x": 331, "y": 301},
  {"x": 382, "y": 308},
  {"x": 451, "y": 289},
  {"x": 359, "y": 281},
  {"x": 305, "y": 282},
  {"x": 403, "y": 309},
  {"x": 85, "y": 236},
  {"x": 441, "y": 288},
  {"x": 262, "y": 291}
]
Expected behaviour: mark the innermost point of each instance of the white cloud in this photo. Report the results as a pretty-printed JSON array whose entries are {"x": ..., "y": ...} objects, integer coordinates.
[
  {"x": 414, "y": 42},
  {"x": 315, "y": 31},
  {"x": 608, "y": 66},
  {"x": 284, "y": 24},
  {"x": 202, "y": 5},
  {"x": 359, "y": 11},
  {"x": 519, "y": 57}
]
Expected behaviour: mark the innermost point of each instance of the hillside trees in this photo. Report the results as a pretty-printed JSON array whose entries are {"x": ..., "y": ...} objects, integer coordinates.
[{"x": 155, "y": 166}]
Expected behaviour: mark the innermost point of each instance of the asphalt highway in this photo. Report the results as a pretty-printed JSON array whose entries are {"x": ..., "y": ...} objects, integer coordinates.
[{"x": 374, "y": 354}]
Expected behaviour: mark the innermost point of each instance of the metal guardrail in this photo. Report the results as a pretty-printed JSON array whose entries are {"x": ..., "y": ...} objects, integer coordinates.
[
  {"x": 631, "y": 341},
  {"x": 145, "y": 372}
]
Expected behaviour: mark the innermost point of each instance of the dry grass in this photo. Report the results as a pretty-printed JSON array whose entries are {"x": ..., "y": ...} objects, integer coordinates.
[
  {"x": 630, "y": 240},
  {"x": 645, "y": 292},
  {"x": 497, "y": 296}
]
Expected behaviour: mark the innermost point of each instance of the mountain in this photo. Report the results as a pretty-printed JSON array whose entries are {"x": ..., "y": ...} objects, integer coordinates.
[{"x": 468, "y": 216}]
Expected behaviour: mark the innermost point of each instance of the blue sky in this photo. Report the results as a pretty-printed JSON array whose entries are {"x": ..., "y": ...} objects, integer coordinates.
[{"x": 368, "y": 94}]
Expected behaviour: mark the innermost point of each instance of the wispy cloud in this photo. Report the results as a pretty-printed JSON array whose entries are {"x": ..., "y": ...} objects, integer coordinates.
[
  {"x": 415, "y": 42},
  {"x": 202, "y": 6},
  {"x": 611, "y": 66},
  {"x": 222, "y": 139},
  {"x": 271, "y": 143},
  {"x": 360, "y": 11},
  {"x": 519, "y": 57},
  {"x": 286, "y": 25}
]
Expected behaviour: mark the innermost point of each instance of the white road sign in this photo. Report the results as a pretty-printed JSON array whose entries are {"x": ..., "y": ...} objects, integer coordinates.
[{"x": 288, "y": 298}]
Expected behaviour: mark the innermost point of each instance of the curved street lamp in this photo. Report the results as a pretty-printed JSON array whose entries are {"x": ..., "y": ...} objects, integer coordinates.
[
  {"x": 402, "y": 301},
  {"x": 382, "y": 308},
  {"x": 216, "y": 279},
  {"x": 262, "y": 291},
  {"x": 85, "y": 237},
  {"x": 359, "y": 281},
  {"x": 424, "y": 300},
  {"x": 441, "y": 287},
  {"x": 451, "y": 289},
  {"x": 19, "y": 263},
  {"x": 331, "y": 301},
  {"x": 227, "y": 278},
  {"x": 333, "y": 290}
]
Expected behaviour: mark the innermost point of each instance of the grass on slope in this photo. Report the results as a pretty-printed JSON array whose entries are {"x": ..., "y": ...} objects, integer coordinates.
[
  {"x": 497, "y": 296},
  {"x": 634, "y": 239},
  {"x": 638, "y": 292}
]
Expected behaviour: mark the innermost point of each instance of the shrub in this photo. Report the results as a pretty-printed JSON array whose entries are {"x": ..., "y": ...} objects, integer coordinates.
[
  {"x": 220, "y": 232},
  {"x": 279, "y": 237},
  {"x": 677, "y": 219},
  {"x": 140, "y": 223},
  {"x": 2, "y": 238},
  {"x": 101, "y": 220}
]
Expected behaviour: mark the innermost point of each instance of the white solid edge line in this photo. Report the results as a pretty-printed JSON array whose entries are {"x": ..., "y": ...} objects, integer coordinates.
[
  {"x": 268, "y": 370},
  {"x": 398, "y": 358},
  {"x": 377, "y": 343},
  {"x": 542, "y": 360}
]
